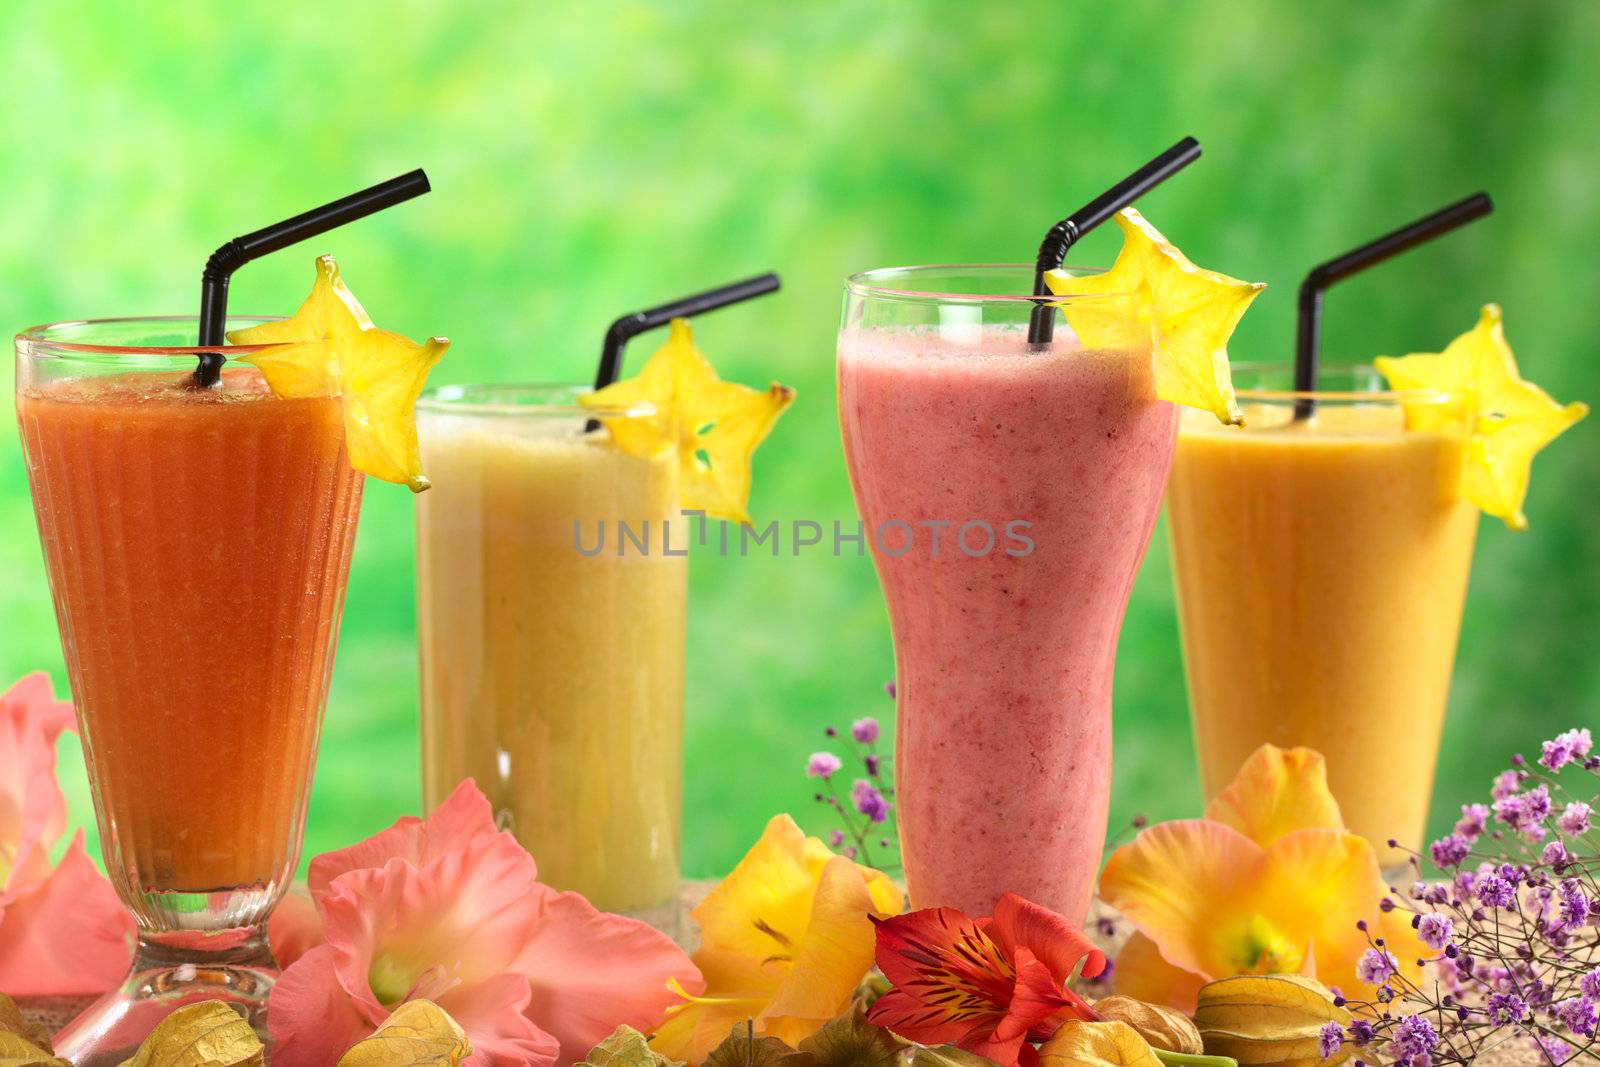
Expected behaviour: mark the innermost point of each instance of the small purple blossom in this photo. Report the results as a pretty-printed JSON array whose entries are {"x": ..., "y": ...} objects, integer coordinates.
[
  {"x": 822, "y": 765},
  {"x": 1473, "y": 818},
  {"x": 1506, "y": 783},
  {"x": 1414, "y": 1037},
  {"x": 1555, "y": 855},
  {"x": 1435, "y": 931},
  {"x": 871, "y": 763},
  {"x": 889, "y": 687},
  {"x": 1589, "y": 984},
  {"x": 1574, "y": 820},
  {"x": 835, "y": 838},
  {"x": 869, "y": 801},
  {"x": 1496, "y": 892},
  {"x": 1506, "y": 1008},
  {"x": 1377, "y": 966},
  {"x": 1329, "y": 1039},
  {"x": 1578, "y": 1014},
  {"x": 1574, "y": 904},
  {"x": 1361, "y": 1032},
  {"x": 1566, "y": 748},
  {"x": 1450, "y": 851},
  {"x": 865, "y": 730}
]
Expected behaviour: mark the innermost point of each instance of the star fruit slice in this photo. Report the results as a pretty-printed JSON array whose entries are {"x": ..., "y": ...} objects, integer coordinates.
[
  {"x": 715, "y": 426},
  {"x": 1506, "y": 420},
  {"x": 1192, "y": 312},
  {"x": 330, "y": 347}
]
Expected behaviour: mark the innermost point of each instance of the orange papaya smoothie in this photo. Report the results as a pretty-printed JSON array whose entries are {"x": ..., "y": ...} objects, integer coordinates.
[{"x": 197, "y": 543}]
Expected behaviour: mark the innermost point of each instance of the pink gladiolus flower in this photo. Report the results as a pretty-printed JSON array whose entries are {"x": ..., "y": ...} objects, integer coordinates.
[
  {"x": 62, "y": 931},
  {"x": 294, "y": 927},
  {"x": 450, "y": 910}
]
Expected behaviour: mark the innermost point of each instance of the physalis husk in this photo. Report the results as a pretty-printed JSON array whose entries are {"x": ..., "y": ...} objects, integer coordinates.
[
  {"x": 1191, "y": 312},
  {"x": 715, "y": 426},
  {"x": 1505, "y": 419},
  {"x": 329, "y": 347}
]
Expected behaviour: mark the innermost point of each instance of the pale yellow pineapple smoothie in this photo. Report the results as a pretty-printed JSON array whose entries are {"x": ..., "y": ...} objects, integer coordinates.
[
  {"x": 551, "y": 617},
  {"x": 1321, "y": 568}
]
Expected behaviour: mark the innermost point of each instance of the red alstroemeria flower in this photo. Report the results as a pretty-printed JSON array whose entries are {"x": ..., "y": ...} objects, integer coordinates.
[{"x": 990, "y": 985}]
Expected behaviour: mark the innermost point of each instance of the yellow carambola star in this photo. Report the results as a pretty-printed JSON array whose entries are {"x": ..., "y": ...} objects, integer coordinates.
[
  {"x": 1476, "y": 391},
  {"x": 714, "y": 425},
  {"x": 1186, "y": 312},
  {"x": 330, "y": 347}
]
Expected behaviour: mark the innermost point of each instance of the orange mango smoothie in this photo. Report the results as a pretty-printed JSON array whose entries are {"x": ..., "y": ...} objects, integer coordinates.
[{"x": 1321, "y": 568}]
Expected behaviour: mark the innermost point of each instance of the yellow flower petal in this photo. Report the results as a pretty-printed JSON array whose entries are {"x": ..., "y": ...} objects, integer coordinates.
[
  {"x": 1187, "y": 885},
  {"x": 737, "y": 988},
  {"x": 714, "y": 425},
  {"x": 1317, "y": 885},
  {"x": 1107, "y": 1044},
  {"x": 1505, "y": 418},
  {"x": 330, "y": 347},
  {"x": 1141, "y": 972},
  {"x": 835, "y": 951},
  {"x": 1276, "y": 792},
  {"x": 1192, "y": 312}
]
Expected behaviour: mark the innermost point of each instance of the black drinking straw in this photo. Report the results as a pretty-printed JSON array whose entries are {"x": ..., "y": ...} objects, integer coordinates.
[
  {"x": 1064, "y": 234},
  {"x": 1308, "y": 337},
  {"x": 241, "y": 250},
  {"x": 630, "y": 326}
]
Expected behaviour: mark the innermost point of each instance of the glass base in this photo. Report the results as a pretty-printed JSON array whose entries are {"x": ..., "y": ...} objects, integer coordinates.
[{"x": 235, "y": 966}]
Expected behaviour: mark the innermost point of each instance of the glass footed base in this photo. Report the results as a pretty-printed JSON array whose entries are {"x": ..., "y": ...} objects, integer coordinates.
[{"x": 235, "y": 966}]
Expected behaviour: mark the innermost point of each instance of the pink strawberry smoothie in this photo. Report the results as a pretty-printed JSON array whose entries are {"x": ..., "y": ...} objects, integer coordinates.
[{"x": 1003, "y": 658}]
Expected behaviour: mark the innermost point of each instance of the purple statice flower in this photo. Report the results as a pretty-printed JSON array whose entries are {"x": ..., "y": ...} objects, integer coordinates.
[
  {"x": 1450, "y": 851},
  {"x": 1574, "y": 820},
  {"x": 835, "y": 838},
  {"x": 1434, "y": 930},
  {"x": 889, "y": 687},
  {"x": 1506, "y": 1008},
  {"x": 822, "y": 765},
  {"x": 1361, "y": 1032},
  {"x": 1377, "y": 966},
  {"x": 1536, "y": 804},
  {"x": 1506, "y": 784},
  {"x": 1566, "y": 748},
  {"x": 1574, "y": 905},
  {"x": 1589, "y": 984},
  {"x": 865, "y": 730},
  {"x": 1496, "y": 892},
  {"x": 872, "y": 763},
  {"x": 869, "y": 801},
  {"x": 1578, "y": 1014},
  {"x": 1555, "y": 855},
  {"x": 1329, "y": 1038},
  {"x": 1472, "y": 821},
  {"x": 1414, "y": 1037},
  {"x": 1553, "y": 1049}
]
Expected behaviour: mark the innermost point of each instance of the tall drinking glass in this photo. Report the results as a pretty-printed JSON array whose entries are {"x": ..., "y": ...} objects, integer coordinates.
[
  {"x": 1008, "y": 494},
  {"x": 197, "y": 543},
  {"x": 1321, "y": 568},
  {"x": 551, "y": 584}
]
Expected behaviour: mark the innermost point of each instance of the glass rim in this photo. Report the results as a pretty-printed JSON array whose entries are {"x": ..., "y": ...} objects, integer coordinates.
[
  {"x": 523, "y": 400},
  {"x": 42, "y": 336},
  {"x": 1334, "y": 396},
  {"x": 865, "y": 284}
]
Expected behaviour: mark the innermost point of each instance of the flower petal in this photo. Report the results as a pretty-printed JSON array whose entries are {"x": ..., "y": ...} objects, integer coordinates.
[
  {"x": 33, "y": 811},
  {"x": 1276, "y": 792},
  {"x": 763, "y": 906},
  {"x": 1059, "y": 944},
  {"x": 736, "y": 988},
  {"x": 465, "y": 814},
  {"x": 493, "y": 1012},
  {"x": 591, "y": 972},
  {"x": 1318, "y": 884},
  {"x": 68, "y": 935},
  {"x": 401, "y": 931},
  {"x": 1142, "y": 973},
  {"x": 311, "y": 1018},
  {"x": 294, "y": 927},
  {"x": 835, "y": 952}
]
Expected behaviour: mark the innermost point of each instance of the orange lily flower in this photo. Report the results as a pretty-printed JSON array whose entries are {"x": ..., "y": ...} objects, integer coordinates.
[{"x": 1268, "y": 882}]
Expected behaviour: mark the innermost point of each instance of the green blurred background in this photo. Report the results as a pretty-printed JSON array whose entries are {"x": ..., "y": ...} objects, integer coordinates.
[{"x": 590, "y": 159}]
